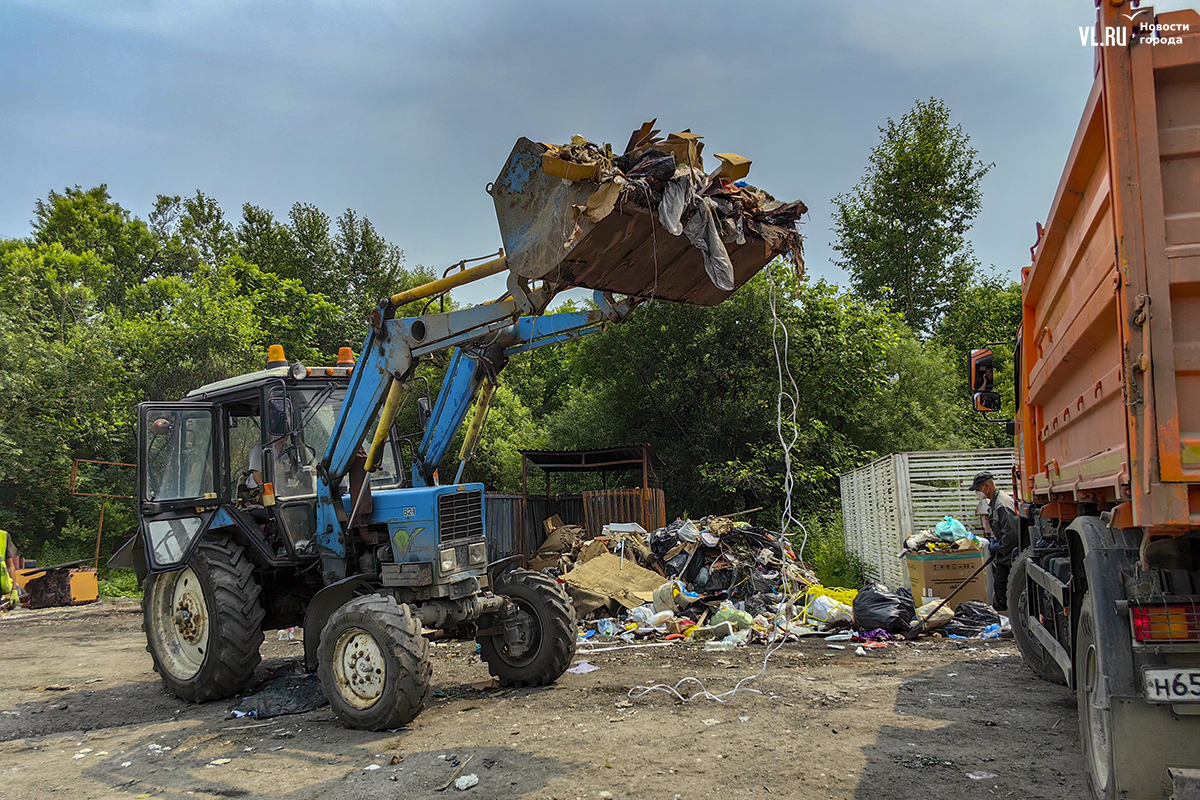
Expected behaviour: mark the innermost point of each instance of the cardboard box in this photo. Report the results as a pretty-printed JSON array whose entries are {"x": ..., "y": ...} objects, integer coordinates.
[
  {"x": 935, "y": 575},
  {"x": 733, "y": 166}
]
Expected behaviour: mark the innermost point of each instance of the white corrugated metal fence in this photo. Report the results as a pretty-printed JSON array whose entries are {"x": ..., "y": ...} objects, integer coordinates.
[{"x": 886, "y": 501}]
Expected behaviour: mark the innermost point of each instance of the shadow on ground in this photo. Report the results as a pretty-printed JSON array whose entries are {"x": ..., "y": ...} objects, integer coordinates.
[{"x": 998, "y": 731}]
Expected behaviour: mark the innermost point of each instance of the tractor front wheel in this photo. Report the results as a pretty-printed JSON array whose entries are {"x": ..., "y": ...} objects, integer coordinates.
[
  {"x": 374, "y": 663},
  {"x": 546, "y": 616}
]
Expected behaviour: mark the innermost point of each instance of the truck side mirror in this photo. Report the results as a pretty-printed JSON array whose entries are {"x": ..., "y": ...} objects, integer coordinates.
[
  {"x": 986, "y": 401},
  {"x": 981, "y": 376}
]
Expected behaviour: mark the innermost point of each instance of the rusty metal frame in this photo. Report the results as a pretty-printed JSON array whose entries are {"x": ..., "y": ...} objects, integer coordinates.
[{"x": 104, "y": 497}]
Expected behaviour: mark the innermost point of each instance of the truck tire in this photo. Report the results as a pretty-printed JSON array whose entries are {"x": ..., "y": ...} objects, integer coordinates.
[
  {"x": 552, "y": 618},
  {"x": 1095, "y": 724},
  {"x": 374, "y": 663},
  {"x": 1035, "y": 655},
  {"x": 203, "y": 623}
]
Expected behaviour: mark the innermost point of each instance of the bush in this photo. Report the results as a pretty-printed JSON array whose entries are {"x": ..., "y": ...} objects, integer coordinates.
[
  {"x": 825, "y": 551},
  {"x": 120, "y": 582}
]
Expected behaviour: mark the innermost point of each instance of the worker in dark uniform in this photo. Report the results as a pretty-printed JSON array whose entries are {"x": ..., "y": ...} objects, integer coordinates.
[{"x": 1005, "y": 535}]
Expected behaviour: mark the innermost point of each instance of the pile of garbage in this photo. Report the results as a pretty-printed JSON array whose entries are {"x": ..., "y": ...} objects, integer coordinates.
[
  {"x": 949, "y": 535},
  {"x": 711, "y": 578},
  {"x": 727, "y": 582},
  {"x": 657, "y": 185}
]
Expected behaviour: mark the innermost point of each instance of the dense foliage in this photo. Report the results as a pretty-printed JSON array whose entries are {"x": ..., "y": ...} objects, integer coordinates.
[{"x": 100, "y": 310}]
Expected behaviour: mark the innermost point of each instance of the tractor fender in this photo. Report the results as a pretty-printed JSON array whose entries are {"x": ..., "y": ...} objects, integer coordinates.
[
  {"x": 321, "y": 607},
  {"x": 132, "y": 555}
]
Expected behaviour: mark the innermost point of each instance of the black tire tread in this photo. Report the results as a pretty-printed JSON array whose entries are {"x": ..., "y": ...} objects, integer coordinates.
[
  {"x": 1085, "y": 635},
  {"x": 1033, "y": 653},
  {"x": 559, "y": 639},
  {"x": 235, "y": 623},
  {"x": 408, "y": 648}
]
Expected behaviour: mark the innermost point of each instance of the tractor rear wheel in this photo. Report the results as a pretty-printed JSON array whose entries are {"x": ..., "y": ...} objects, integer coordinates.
[
  {"x": 374, "y": 663},
  {"x": 548, "y": 619},
  {"x": 203, "y": 623}
]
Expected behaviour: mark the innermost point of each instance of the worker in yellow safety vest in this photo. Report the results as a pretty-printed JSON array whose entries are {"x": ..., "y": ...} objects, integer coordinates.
[{"x": 8, "y": 572}]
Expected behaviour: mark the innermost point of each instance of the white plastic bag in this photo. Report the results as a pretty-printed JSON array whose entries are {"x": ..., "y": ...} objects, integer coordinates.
[{"x": 827, "y": 610}]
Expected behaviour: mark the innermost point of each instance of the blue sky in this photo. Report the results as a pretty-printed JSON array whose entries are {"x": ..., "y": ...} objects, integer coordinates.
[{"x": 405, "y": 111}]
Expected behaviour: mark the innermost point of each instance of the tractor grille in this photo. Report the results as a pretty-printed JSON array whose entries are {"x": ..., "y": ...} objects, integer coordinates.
[{"x": 460, "y": 516}]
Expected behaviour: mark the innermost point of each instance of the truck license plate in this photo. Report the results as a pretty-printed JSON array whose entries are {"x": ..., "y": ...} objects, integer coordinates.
[{"x": 1171, "y": 685}]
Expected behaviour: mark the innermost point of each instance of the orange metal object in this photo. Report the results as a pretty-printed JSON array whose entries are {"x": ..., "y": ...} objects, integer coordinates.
[
  {"x": 1110, "y": 332},
  {"x": 1122, "y": 516},
  {"x": 1062, "y": 511}
]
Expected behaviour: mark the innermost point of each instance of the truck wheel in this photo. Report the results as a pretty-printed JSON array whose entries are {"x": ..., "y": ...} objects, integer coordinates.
[
  {"x": 203, "y": 623},
  {"x": 374, "y": 663},
  {"x": 1095, "y": 724},
  {"x": 549, "y": 618},
  {"x": 1036, "y": 656}
]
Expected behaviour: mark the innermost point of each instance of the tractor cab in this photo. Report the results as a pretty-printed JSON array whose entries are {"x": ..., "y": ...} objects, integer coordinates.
[{"x": 243, "y": 452}]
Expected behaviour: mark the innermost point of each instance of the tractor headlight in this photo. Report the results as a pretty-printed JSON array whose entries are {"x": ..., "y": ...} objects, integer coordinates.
[
  {"x": 448, "y": 560},
  {"x": 478, "y": 553},
  {"x": 298, "y": 371}
]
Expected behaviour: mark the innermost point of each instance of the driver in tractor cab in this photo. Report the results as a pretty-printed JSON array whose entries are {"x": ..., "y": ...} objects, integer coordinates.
[{"x": 289, "y": 456}]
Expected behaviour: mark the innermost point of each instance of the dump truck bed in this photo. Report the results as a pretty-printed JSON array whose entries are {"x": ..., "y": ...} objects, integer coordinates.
[{"x": 1109, "y": 394}]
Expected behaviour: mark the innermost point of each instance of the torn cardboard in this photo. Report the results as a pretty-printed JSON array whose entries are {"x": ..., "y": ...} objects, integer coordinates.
[
  {"x": 608, "y": 577},
  {"x": 733, "y": 166}
]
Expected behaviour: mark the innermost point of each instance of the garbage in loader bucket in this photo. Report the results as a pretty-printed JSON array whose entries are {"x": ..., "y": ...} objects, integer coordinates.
[{"x": 649, "y": 222}]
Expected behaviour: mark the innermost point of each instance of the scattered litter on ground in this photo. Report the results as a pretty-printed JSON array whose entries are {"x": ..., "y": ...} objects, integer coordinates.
[
  {"x": 582, "y": 668},
  {"x": 466, "y": 782},
  {"x": 980, "y": 776}
]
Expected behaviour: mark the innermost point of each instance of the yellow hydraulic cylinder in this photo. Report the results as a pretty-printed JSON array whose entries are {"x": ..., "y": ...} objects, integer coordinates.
[
  {"x": 386, "y": 417},
  {"x": 484, "y": 270},
  {"x": 484, "y": 402}
]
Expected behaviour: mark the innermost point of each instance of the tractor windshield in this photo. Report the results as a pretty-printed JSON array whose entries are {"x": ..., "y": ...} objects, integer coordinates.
[{"x": 297, "y": 454}]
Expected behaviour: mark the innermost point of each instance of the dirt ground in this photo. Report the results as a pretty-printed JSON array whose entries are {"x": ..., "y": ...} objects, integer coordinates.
[{"x": 82, "y": 715}]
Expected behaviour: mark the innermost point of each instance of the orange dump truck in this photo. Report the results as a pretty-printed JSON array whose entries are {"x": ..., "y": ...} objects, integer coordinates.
[{"x": 1106, "y": 591}]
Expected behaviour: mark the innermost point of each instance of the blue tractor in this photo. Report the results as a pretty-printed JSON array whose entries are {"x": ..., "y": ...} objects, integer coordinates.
[
  {"x": 283, "y": 498},
  {"x": 277, "y": 498}
]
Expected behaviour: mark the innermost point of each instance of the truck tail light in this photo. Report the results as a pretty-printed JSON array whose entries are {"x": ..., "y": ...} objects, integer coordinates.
[{"x": 1169, "y": 622}]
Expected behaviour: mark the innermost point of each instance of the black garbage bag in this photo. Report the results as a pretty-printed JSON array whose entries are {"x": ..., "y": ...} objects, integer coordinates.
[
  {"x": 289, "y": 694},
  {"x": 877, "y": 606},
  {"x": 970, "y": 618}
]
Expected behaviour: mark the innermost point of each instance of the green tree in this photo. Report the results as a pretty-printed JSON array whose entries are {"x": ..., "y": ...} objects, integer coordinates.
[
  {"x": 62, "y": 388},
  {"x": 701, "y": 386},
  {"x": 902, "y": 231},
  {"x": 83, "y": 221}
]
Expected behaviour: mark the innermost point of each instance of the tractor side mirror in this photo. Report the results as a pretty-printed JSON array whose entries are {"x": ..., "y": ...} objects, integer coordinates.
[
  {"x": 986, "y": 401},
  {"x": 281, "y": 416},
  {"x": 423, "y": 413},
  {"x": 981, "y": 376}
]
